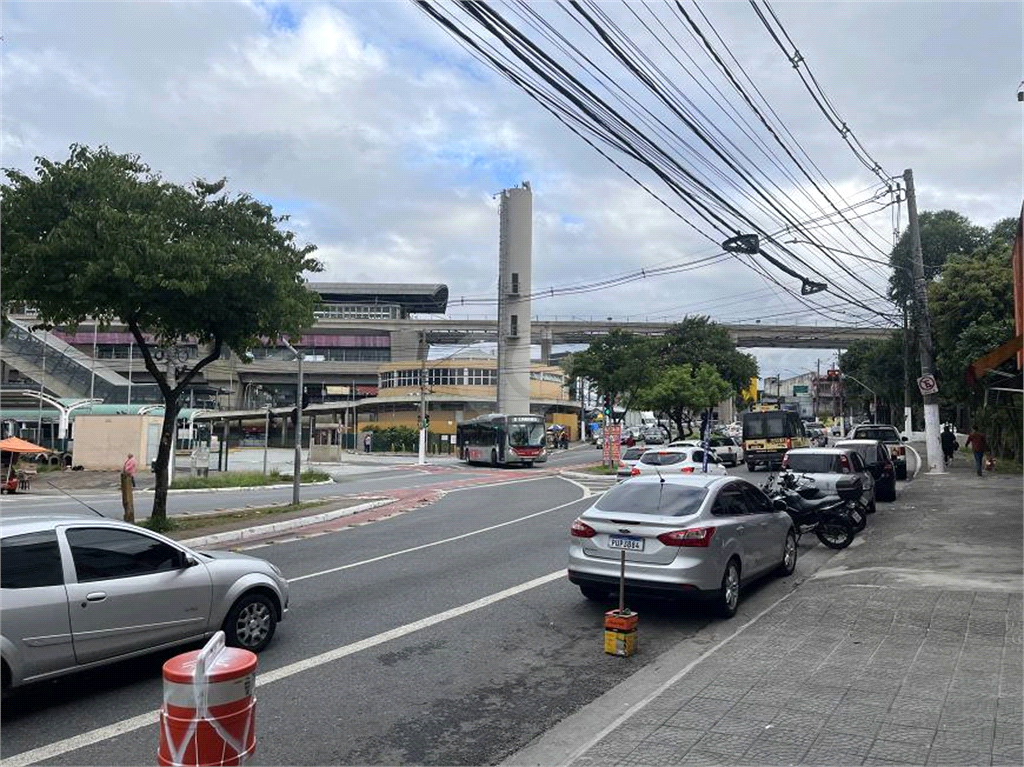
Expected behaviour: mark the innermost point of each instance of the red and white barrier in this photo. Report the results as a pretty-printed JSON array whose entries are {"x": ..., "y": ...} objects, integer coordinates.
[{"x": 208, "y": 718}]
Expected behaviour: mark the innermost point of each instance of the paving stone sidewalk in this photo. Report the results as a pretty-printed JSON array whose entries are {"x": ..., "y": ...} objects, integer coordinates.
[{"x": 907, "y": 650}]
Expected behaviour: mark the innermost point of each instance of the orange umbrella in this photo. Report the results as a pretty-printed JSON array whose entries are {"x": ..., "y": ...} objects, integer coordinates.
[{"x": 18, "y": 445}]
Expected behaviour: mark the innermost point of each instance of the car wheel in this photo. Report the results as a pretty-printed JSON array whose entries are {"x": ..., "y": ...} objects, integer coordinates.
[
  {"x": 901, "y": 472},
  {"x": 872, "y": 508},
  {"x": 789, "y": 555},
  {"x": 251, "y": 622},
  {"x": 494, "y": 459},
  {"x": 750, "y": 465},
  {"x": 728, "y": 598},
  {"x": 594, "y": 593}
]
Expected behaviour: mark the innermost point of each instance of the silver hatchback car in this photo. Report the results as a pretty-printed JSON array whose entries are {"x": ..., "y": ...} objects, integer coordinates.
[
  {"x": 78, "y": 592},
  {"x": 692, "y": 534}
]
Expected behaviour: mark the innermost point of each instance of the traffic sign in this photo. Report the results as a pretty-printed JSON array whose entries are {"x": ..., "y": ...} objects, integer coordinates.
[{"x": 927, "y": 385}]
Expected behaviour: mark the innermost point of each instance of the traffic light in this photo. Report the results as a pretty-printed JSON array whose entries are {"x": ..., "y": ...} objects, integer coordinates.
[
  {"x": 607, "y": 405},
  {"x": 426, "y": 421}
]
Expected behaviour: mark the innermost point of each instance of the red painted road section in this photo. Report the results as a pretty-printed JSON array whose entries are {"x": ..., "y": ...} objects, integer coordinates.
[{"x": 403, "y": 501}]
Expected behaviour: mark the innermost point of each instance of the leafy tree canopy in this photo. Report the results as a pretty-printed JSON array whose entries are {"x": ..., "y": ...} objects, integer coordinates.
[
  {"x": 944, "y": 233},
  {"x": 618, "y": 364},
  {"x": 101, "y": 236},
  {"x": 680, "y": 391},
  {"x": 697, "y": 340}
]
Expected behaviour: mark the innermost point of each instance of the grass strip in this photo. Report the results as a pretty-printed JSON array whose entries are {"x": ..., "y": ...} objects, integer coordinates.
[
  {"x": 245, "y": 479},
  {"x": 185, "y": 524}
]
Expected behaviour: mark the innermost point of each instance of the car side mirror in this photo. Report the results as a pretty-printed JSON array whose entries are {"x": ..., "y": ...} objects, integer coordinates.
[
  {"x": 190, "y": 561},
  {"x": 905, "y": 438},
  {"x": 779, "y": 505}
]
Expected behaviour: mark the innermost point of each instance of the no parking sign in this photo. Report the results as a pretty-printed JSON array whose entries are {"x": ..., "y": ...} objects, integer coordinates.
[{"x": 927, "y": 385}]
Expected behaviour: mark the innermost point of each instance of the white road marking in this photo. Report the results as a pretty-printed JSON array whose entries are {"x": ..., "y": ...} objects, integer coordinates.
[
  {"x": 435, "y": 543},
  {"x": 125, "y": 726}
]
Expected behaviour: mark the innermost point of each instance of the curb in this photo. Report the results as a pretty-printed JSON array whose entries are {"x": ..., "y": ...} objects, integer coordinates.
[
  {"x": 585, "y": 475},
  {"x": 246, "y": 533}
]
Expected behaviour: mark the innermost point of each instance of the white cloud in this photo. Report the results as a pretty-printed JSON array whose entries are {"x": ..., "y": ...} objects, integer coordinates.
[{"x": 387, "y": 141}]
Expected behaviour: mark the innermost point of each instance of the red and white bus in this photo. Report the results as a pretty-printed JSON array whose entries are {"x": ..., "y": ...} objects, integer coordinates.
[{"x": 502, "y": 440}]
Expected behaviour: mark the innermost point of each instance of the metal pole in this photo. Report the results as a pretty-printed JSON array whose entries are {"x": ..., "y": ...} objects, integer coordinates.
[
  {"x": 622, "y": 582},
  {"x": 297, "y": 479},
  {"x": 423, "y": 401},
  {"x": 92, "y": 378},
  {"x": 266, "y": 440},
  {"x": 908, "y": 413},
  {"x": 39, "y": 422},
  {"x": 931, "y": 401},
  {"x": 131, "y": 359}
]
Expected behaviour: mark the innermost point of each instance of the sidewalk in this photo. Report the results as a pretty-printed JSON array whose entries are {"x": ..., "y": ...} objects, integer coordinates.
[{"x": 905, "y": 649}]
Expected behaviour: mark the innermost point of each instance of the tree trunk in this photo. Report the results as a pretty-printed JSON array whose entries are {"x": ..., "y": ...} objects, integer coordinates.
[{"x": 163, "y": 459}]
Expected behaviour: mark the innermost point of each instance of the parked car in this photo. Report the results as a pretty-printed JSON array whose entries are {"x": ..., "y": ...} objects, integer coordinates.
[
  {"x": 676, "y": 460},
  {"x": 628, "y": 460},
  {"x": 684, "y": 443},
  {"x": 879, "y": 462},
  {"x": 727, "y": 449},
  {"x": 79, "y": 592},
  {"x": 890, "y": 436},
  {"x": 828, "y": 465},
  {"x": 693, "y": 534}
]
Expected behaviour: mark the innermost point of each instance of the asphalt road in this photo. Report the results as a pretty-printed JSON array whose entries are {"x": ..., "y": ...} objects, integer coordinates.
[
  {"x": 399, "y": 476},
  {"x": 445, "y": 635}
]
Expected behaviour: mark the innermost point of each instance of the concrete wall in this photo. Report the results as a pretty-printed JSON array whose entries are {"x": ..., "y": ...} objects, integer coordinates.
[{"x": 104, "y": 441}]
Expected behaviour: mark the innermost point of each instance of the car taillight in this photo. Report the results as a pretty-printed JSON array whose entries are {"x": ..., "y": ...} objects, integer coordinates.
[
  {"x": 691, "y": 537},
  {"x": 635, "y": 471},
  {"x": 785, "y": 462},
  {"x": 581, "y": 529},
  {"x": 844, "y": 463},
  {"x": 687, "y": 470}
]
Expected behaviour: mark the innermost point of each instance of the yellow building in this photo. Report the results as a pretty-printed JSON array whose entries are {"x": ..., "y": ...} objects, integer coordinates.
[{"x": 457, "y": 389}]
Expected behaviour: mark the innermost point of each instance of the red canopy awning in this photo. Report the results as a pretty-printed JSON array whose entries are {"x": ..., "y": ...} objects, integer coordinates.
[{"x": 19, "y": 445}]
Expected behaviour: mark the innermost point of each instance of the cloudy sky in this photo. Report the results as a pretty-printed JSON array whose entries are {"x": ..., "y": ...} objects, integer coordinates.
[{"x": 386, "y": 141}]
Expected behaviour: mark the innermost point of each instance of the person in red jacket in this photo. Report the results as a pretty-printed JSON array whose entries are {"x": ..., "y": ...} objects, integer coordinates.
[{"x": 976, "y": 441}]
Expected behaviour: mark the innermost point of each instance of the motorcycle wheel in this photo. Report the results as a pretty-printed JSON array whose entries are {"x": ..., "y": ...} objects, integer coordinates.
[{"x": 835, "y": 533}]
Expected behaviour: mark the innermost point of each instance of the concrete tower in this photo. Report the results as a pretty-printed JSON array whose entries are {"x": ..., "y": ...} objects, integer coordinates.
[{"x": 515, "y": 254}]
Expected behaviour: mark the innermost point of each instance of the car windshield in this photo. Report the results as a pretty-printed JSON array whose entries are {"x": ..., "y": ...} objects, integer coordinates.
[
  {"x": 662, "y": 459},
  {"x": 810, "y": 463},
  {"x": 526, "y": 434},
  {"x": 868, "y": 452},
  {"x": 764, "y": 425},
  {"x": 632, "y": 453},
  {"x": 656, "y": 498},
  {"x": 882, "y": 433}
]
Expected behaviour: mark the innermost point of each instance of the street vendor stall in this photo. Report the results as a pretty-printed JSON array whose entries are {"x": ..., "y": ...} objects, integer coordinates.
[{"x": 11, "y": 449}]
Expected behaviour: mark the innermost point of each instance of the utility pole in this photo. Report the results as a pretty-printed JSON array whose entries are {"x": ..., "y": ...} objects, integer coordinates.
[
  {"x": 817, "y": 383},
  {"x": 924, "y": 332},
  {"x": 422, "y": 459},
  {"x": 297, "y": 472},
  {"x": 908, "y": 413}
]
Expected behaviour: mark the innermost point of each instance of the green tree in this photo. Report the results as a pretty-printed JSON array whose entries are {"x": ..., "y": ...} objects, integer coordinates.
[
  {"x": 880, "y": 366},
  {"x": 619, "y": 364},
  {"x": 944, "y": 233},
  {"x": 971, "y": 307},
  {"x": 679, "y": 392},
  {"x": 697, "y": 340},
  {"x": 101, "y": 236}
]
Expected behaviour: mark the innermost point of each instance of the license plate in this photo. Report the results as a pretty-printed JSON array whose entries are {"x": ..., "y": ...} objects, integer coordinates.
[{"x": 626, "y": 542}]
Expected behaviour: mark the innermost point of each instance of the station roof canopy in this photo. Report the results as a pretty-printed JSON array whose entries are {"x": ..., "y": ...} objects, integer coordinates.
[{"x": 413, "y": 297}]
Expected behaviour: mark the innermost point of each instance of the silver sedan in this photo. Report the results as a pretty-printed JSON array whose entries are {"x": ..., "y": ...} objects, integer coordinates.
[
  {"x": 79, "y": 592},
  {"x": 694, "y": 534}
]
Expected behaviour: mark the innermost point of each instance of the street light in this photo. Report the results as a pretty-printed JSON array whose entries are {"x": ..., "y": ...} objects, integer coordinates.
[
  {"x": 296, "y": 480},
  {"x": 874, "y": 397}
]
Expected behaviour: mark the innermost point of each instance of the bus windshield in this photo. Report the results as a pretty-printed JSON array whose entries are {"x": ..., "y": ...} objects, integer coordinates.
[{"x": 526, "y": 433}]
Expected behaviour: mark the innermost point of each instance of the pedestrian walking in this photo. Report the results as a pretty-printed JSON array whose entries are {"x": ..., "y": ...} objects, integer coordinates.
[
  {"x": 130, "y": 466},
  {"x": 976, "y": 441},
  {"x": 564, "y": 439},
  {"x": 367, "y": 442},
  {"x": 949, "y": 444}
]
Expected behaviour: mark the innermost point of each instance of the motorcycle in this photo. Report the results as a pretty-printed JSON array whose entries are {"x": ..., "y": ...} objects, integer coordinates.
[
  {"x": 828, "y": 517},
  {"x": 849, "y": 490}
]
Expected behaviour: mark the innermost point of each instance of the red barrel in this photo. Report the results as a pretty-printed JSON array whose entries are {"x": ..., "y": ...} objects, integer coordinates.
[{"x": 208, "y": 718}]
